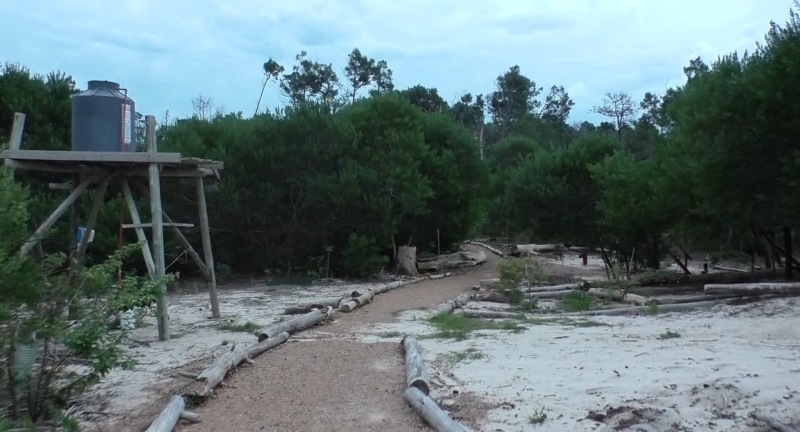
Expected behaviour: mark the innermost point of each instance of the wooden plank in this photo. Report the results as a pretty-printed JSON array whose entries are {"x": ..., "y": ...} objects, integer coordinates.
[
  {"x": 165, "y": 224},
  {"x": 90, "y": 156},
  {"x": 98, "y": 202},
  {"x": 15, "y": 141},
  {"x": 207, "y": 252},
  {"x": 140, "y": 235},
  {"x": 57, "y": 213},
  {"x": 162, "y": 314},
  {"x": 107, "y": 168}
]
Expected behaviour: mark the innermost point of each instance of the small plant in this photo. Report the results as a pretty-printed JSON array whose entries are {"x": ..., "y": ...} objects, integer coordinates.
[
  {"x": 463, "y": 356},
  {"x": 652, "y": 307},
  {"x": 515, "y": 272},
  {"x": 576, "y": 301},
  {"x": 247, "y": 327},
  {"x": 459, "y": 327},
  {"x": 669, "y": 334},
  {"x": 538, "y": 416}
]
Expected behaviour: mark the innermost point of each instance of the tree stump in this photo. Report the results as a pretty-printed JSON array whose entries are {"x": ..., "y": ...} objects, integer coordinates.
[{"x": 407, "y": 261}]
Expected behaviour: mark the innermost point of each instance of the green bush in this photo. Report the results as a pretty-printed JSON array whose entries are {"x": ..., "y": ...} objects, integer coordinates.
[{"x": 362, "y": 256}]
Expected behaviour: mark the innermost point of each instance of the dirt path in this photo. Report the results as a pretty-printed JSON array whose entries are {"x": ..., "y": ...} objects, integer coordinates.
[{"x": 328, "y": 383}]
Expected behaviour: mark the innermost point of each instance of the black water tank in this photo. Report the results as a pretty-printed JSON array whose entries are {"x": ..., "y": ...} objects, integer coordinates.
[{"x": 103, "y": 119}]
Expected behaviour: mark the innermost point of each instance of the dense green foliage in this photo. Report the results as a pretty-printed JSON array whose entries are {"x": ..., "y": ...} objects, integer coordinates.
[{"x": 348, "y": 170}]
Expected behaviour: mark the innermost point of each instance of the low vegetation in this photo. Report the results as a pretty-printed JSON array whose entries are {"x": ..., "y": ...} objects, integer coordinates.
[{"x": 459, "y": 327}]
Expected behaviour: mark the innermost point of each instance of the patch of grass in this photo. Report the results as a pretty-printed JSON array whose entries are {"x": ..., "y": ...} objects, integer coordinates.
[
  {"x": 515, "y": 271},
  {"x": 247, "y": 327},
  {"x": 669, "y": 334},
  {"x": 538, "y": 417},
  {"x": 467, "y": 355},
  {"x": 459, "y": 327},
  {"x": 577, "y": 301},
  {"x": 566, "y": 322}
]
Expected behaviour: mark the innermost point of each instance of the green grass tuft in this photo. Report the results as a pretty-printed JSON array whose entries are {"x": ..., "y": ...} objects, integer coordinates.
[
  {"x": 459, "y": 327},
  {"x": 247, "y": 327}
]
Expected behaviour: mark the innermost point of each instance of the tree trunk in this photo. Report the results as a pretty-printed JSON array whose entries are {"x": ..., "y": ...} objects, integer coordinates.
[
  {"x": 476, "y": 313},
  {"x": 316, "y": 304},
  {"x": 564, "y": 287},
  {"x": 416, "y": 375},
  {"x": 494, "y": 297},
  {"x": 168, "y": 418},
  {"x": 753, "y": 289},
  {"x": 272, "y": 342},
  {"x": 700, "y": 279},
  {"x": 677, "y": 307},
  {"x": 489, "y": 248},
  {"x": 617, "y": 295},
  {"x": 407, "y": 261}
]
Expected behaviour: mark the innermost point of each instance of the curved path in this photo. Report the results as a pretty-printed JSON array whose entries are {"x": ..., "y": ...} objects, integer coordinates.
[{"x": 324, "y": 381}]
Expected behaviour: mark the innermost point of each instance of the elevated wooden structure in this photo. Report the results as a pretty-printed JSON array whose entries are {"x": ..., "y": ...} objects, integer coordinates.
[{"x": 142, "y": 171}]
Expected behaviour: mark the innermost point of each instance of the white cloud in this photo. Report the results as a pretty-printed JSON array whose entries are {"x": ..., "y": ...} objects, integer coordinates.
[{"x": 165, "y": 53}]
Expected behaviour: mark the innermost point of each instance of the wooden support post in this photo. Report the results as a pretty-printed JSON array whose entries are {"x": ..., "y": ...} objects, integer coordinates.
[
  {"x": 92, "y": 221},
  {"x": 57, "y": 213},
  {"x": 158, "y": 230},
  {"x": 15, "y": 141},
  {"x": 788, "y": 247},
  {"x": 140, "y": 235},
  {"x": 207, "y": 252},
  {"x": 182, "y": 239}
]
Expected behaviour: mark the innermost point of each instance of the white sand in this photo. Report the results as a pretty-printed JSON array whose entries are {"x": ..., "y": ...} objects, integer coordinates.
[{"x": 728, "y": 362}]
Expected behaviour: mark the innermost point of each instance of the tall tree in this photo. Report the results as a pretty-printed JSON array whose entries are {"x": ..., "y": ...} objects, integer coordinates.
[
  {"x": 515, "y": 97},
  {"x": 382, "y": 77},
  {"x": 619, "y": 107},
  {"x": 426, "y": 99},
  {"x": 557, "y": 105},
  {"x": 310, "y": 80},
  {"x": 359, "y": 72},
  {"x": 202, "y": 106},
  {"x": 271, "y": 70}
]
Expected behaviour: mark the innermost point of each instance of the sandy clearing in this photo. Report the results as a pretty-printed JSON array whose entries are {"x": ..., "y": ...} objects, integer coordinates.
[{"x": 724, "y": 364}]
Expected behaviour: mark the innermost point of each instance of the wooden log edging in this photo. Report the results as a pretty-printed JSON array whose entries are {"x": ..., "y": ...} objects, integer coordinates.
[
  {"x": 487, "y": 247},
  {"x": 169, "y": 416},
  {"x": 418, "y": 390},
  {"x": 450, "y": 305}
]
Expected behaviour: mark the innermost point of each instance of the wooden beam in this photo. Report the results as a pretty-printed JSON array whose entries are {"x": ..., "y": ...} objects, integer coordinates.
[
  {"x": 91, "y": 156},
  {"x": 57, "y": 213},
  {"x": 162, "y": 314},
  {"x": 62, "y": 186},
  {"x": 165, "y": 224},
  {"x": 15, "y": 141},
  {"x": 98, "y": 202},
  {"x": 207, "y": 252},
  {"x": 118, "y": 170},
  {"x": 140, "y": 235}
]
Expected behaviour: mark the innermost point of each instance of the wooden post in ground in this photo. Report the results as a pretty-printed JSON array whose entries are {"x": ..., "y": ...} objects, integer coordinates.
[
  {"x": 15, "y": 141},
  {"x": 207, "y": 252},
  {"x": 162, "y": 313},
  {"x": 788, "y": 246}
]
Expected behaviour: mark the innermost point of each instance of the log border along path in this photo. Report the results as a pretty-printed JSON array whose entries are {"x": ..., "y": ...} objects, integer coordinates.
[{"x": 327, "y": 379}]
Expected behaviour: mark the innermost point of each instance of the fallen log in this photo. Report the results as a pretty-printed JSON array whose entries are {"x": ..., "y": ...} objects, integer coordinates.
[
  {"x": 190, "y": 416},
  {"x": 563, "y": 287},
  {"x": 290, "y": 326},
  {"x": 438, "y": 419},
  {"x": 753, "y": 289},
  {"x": 169, "y": 416},
  {"x": 617, "y": 295},
  {"x": 489, "y": 284},
  {"x": 678, "y": 307},
  {"x": 729, "y": 269},
  {"x": 314, "y": 304},
  {"x": 364, "y": 298},
  {"x": 450, "y": 305},
  {"x": 215, "y": 373},
  {"x": 488, "y": 314},
  {"x": 452, "y": 261},
  {"x": 706, "y": 278},
  {"x": 550, "y": 294},
  {"x": 261, "y": 347},
  {"x": 348, "y": 306},
  {"x": 534, "y": 249},
  {"x": 490, "y": 248},
  {"x": 439, "y": 276},
  {"x": 416, "y": 375},
  {"x": 492, "y": 296}
]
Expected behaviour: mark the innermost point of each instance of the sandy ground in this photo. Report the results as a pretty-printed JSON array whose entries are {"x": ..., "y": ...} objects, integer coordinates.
[{"x": 701, "y": 371}]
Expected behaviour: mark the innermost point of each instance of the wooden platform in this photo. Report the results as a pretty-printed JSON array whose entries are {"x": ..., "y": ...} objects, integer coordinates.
[{"x": 110, "y": 163}]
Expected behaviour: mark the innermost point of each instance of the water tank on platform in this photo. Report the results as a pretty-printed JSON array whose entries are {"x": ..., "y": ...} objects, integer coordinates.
[{"x": 103, "y": 119}]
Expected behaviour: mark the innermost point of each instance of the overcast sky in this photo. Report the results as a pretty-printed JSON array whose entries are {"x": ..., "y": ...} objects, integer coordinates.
[{"x": 166, "y": 52}]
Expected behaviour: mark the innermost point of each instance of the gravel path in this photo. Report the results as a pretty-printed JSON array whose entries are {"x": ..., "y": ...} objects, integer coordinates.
[{"x": 333, "y": 384}]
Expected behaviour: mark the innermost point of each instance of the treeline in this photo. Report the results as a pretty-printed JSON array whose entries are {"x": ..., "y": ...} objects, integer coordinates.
[{"x": 352, "y": 167}]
